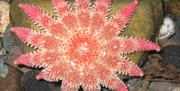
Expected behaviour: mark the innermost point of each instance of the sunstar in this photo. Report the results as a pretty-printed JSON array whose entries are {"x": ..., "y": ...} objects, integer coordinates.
[{"x": 81, "y": 45}]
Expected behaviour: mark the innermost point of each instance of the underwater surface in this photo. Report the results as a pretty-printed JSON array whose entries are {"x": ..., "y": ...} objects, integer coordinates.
[{"x": 89, "y": 45}]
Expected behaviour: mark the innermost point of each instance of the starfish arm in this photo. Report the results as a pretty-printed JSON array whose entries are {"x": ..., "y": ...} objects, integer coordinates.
[
  {"x": 22, "y": 33},
  {"x": 124, "y": 66},
  {"x": 82, "y": 12},
  {"x": 71, "y": 80},
  {"x": 70, "y": 21},
  {"x": 116, "y": 84},
  {"x": 61, "y": 7},
  {"x": 74, "y": 79},
  {"x": 100, "y": 11},
  {"x": 51, "y": 73},
  {"x": 129, "y": 45},
  {"x": 57, "y": 29},
  {"x": 35, "y": 39},
  {"x": 97, "y": 21},
  {"x": 82, "y": 4},
  {"x": 36, "y": 15},
  {"x": 83, "y": 18},
  {"x": 48, "y": 42},
  {"x": 102, "y": 6},
  {"x": 28, "y": 35},
  {"x": 42, "y": 19},
  {"x": 61, "y": 71},
  {"x": 92, "y": 79},
  {"x": 38, "y": 59},
  {"x": 30, "y": 60},
  {"x": 121, "y": 87},
  {"x": 109, "y": 31},
  {"x": 124, "y": 15}
]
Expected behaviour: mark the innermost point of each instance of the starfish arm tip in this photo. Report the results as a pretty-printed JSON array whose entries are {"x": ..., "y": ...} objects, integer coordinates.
[
  {"x": 39, "y": 76},
  {"x": 135, "y": 71},
  {"x": 158, "y": 48},
  {"x": 135, "y": 1},
  {"x": 121, "y": 87},
  {"x": 23, "y": 60},
  {"x": 21, "y": 5}
]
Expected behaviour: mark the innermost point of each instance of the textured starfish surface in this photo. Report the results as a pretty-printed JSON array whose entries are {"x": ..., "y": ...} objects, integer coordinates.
[{"x": 81, "y": 46}]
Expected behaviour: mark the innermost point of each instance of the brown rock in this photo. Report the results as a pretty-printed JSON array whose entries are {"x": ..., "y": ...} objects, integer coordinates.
[
  {"x": 12, "y": 81},
  {"x": 173, "y": 7}
]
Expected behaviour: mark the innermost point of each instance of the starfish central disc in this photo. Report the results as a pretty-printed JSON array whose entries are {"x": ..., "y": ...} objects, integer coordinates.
[{"x": 83, "y": 49}]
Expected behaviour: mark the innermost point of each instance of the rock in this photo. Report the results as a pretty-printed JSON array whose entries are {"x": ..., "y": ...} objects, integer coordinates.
[
  {"x": 176, "y": 89},
  {"x": 164, "y": 86},
  {"x": 170, "y": 28},
  {"x": 3, "y": 69},
  {"x": 30, "y": 83},
  {"x": 167, "y": 29},
  {"x": 12, "y": 81},
  {"x": 132, "y": 84},
  {"x": 177, "y": 33},
  {"x": 4, "y": 16},
  {"x": 8, "y": 41},
  {"x": 13, "y": 54},
  {"x": 173, "y": 7},
  {"x": 178, "y": 23},
  {"x": 170, "y": 54},
  {"x": 8, "y": 1},
  {"x": 167, "y": 42},
  {"x": 1, "y": 45},
  {"x": 149, "y": 13}
]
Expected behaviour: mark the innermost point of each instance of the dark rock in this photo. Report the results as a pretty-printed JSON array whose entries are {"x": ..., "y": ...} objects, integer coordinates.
[
  {"x": 177, "y": 32},
  {"x": 12, "y": 81},
  {"x": 30, "y": 83},
  {"x": 171, "y": 55},
  {"x": 8, "y": 41}
]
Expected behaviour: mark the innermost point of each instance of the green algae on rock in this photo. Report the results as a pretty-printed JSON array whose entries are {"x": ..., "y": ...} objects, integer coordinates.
[
  {"x": 18, "y": 18},
  {"x": 145, "y": 22}
]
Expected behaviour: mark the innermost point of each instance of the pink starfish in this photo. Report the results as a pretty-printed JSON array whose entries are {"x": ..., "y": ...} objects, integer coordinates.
[{"x": 80, "y": 46}]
